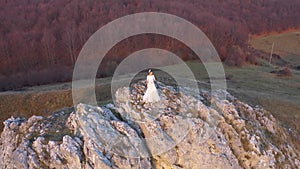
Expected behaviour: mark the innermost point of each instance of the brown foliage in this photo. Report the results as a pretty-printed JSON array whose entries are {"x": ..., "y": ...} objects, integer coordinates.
[
  {"x": 37, "y": 35},
  {"x": 236, "y": 56}
]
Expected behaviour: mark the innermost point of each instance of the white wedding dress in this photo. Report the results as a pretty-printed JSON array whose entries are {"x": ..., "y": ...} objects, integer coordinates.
[{"x": 151, "y": 94}]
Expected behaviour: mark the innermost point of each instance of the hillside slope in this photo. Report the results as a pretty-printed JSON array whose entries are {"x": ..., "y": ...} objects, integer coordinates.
[{"x": 286, "y": 47}]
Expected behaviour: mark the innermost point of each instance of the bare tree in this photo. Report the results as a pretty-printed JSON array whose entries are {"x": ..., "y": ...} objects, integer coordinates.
[
  {"x": 5, "y": 47},
  {"x": 48, "y": 42},
  {"x": 70, "y": 43},
  {"x": 83, "y": 34}
]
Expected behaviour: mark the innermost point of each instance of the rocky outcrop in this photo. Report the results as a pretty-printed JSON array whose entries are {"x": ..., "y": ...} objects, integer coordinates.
[{"x": 183, "y": 130}]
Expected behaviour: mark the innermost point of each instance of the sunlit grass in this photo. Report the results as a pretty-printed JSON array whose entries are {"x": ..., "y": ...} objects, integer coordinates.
[{"x": 285, "y": 44}]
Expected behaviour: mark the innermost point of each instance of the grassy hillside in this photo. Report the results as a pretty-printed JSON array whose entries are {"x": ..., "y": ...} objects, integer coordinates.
[
  {"x": 43, "y": 100},
  {"x": 280, "y": 95},
  {"x": 287, "y": 45},
  {"x": 257, "y": 86},
  {"x": 252, "y": 84}
]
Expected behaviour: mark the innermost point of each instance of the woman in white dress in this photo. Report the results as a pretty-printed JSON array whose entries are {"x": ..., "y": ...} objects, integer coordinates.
[{"x": 151, "y": 94}]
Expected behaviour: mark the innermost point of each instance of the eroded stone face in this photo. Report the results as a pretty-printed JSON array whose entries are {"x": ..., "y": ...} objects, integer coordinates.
[{"x": 180, "y": 131}]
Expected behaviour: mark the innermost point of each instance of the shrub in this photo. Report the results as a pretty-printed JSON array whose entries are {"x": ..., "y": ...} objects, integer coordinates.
[
  {"x": 285, "y": 72},
  {"x": 236, "y": 56}
]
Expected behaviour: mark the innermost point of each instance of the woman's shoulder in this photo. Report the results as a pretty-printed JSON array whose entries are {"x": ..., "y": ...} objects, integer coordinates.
[{"x": 150, "y": 76}]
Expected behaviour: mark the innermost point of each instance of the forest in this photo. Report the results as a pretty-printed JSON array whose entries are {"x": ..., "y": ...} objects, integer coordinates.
[{"x": 41, "y": 39}]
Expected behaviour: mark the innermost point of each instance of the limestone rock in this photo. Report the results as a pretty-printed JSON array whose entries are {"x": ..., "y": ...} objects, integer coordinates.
[{"x": 180, "y": 131}]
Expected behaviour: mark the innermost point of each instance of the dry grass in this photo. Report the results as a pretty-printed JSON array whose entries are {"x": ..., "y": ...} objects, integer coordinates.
[
  {"x": 44, "y": 100},
  {"x": 285, "y": 44}
]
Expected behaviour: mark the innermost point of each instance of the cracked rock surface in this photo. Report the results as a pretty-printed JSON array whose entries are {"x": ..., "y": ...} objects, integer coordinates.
[{"x": 183, "y": 130}]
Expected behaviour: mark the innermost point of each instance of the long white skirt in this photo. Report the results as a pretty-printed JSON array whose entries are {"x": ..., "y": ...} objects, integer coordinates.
[{"x": 151, "y": 94}]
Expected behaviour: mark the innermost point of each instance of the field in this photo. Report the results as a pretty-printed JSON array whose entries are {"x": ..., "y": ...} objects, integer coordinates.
[{"x": 287, "y": 45}]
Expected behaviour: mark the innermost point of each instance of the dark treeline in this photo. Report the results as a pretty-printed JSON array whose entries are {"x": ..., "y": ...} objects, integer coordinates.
[{"x": 40, "y": 39}]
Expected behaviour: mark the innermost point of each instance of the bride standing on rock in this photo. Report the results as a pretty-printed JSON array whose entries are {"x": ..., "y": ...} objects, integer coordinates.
[{"x": 151, "y": 94}]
